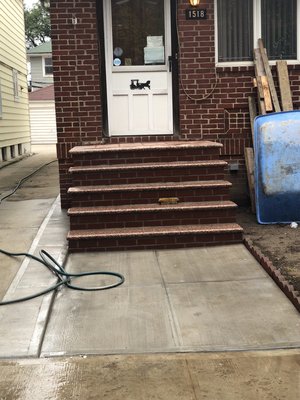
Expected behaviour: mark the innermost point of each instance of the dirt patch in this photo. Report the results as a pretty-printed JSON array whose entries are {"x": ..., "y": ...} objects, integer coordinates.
[{"x": 280, "y": 243}]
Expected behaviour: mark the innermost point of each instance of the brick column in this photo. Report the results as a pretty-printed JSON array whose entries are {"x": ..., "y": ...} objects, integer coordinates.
[{"x": 76, "y": 65}]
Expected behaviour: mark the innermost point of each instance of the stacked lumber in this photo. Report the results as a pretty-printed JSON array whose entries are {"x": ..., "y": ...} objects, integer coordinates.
[{"x": 266, "y": 101}]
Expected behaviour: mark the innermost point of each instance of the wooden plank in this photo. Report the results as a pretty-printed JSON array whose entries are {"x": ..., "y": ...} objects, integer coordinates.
[
  {"x": 262, "y": 82},
  {"x": 284, "y": 85},
  {"x": 259, "y": 71},
  {"x": 269, "y": 75},
  {"x": 261, "y": 103},
  {"x": 260, "y": 93},
  {"x": 259, "y": 63},
  {"x": 267, "y": 94},
  {"x": 253, "y": 114},
  {"x": 249, "y": 160},
  {"x": 259, "y": 86}
]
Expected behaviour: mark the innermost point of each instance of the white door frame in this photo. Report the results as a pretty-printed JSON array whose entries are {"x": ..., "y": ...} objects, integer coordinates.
[{"x": 110, "y": 69}]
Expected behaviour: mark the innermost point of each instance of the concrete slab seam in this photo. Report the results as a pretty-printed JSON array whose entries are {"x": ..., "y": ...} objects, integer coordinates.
[
  {"x": 35, "y": 339},
  {"x": 47, "y": 303},
  {"x": 287, "y": 288},
  {"x": 171, "y": 313},
  {"x": 31, "y": 250}
]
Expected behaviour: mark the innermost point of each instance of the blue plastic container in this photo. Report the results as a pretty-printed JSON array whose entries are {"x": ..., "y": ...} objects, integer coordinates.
[{"x": 277, "y": 167}]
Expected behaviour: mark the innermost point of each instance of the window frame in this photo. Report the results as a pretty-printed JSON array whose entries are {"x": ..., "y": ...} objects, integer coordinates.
[
  {"x": 256, "y": 35},
  {"x": 45, "y": 75}
]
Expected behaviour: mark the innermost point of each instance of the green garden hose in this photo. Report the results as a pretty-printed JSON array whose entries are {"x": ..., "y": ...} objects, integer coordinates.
[{"x": 64, "y": 278}]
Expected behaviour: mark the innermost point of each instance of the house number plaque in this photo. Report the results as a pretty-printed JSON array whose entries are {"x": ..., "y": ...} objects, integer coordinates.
[{"x": 191, "y": 13}]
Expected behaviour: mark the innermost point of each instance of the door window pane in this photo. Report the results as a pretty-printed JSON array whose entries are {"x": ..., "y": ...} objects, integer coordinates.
[
  {"x": 138, "y": 32},
  {"x": 279, "y": 28},
  {"x": 235, "y": 30}
]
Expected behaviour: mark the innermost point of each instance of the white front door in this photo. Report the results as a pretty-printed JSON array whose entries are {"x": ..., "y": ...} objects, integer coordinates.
[{"x": 138, "y": 72}]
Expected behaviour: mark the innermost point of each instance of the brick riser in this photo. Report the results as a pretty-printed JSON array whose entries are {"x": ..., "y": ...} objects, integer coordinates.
[
  {"x": 155, "y": 218},
  {"x": 159, "y": 242},
  {"x": 148, "y": 176},
  {"x": 146, "y": 156},
  {"x": 148, "y": 196}
]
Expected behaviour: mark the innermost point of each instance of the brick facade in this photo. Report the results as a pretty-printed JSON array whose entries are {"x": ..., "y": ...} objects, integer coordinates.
[
  {"x": 213, "y": 101},
  {"x": 77, "y": 77}
]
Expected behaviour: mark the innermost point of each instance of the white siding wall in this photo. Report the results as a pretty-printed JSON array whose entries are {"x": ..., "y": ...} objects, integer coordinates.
[
  {"x": 42, "y": 122},
  {"x": 14, "y": 121}
]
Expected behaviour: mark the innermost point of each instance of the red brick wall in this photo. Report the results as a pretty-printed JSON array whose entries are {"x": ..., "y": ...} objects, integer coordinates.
[
  {"x": 76, "y": 78},
  {"x": 213, "y": 101},
  {"x": 218, "y": 109}
]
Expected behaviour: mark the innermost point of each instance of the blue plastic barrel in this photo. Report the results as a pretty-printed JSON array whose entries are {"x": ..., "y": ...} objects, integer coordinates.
[{"x": 277, "y": 167}]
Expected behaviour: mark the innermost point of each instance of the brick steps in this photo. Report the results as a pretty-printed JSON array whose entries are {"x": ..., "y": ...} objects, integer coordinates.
[
  {"x": 149, "y": 193},
  {"x": 153, "y": 237},
  {"x": 152, "y": 215},
  {"x": 116, "y": 190},
  {"x": 133, "y": 153},
  {"x": 148, "y": 172}
]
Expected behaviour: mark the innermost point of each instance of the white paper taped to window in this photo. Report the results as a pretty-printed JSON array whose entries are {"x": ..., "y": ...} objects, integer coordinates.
[{"x": 154, "y": 41}]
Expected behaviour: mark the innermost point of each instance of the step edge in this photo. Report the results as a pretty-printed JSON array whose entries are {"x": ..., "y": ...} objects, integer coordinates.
[
  {"x": 86, "y": 234},
  {"x": 108, "y": 148},
  {"x": 144, "y": 187},
  {"x": 140, "y": 208},
  {"x": 177, "y": 165}
]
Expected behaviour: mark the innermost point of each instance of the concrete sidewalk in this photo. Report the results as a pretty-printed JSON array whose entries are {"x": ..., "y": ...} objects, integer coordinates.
[{"x": 179, "y": 301}]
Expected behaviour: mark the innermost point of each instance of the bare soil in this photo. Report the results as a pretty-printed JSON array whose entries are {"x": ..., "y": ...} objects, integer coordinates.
[{"x": 280, "y": 243}]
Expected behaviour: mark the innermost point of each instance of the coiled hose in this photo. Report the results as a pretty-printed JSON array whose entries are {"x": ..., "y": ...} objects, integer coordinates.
[{"x": 64, "y": 278}]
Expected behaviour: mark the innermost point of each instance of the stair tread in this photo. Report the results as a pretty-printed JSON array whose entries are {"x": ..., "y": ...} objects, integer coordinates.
[
  {"x": 99, "y": 148},
  {"x": 149, "y": 186},
  {"x": 153, "y": 231},
  {"x": 204, "y": 205},
  {"x": 141, "y": 166}
]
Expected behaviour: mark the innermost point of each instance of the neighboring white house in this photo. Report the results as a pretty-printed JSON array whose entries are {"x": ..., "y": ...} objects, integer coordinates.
[
  {"x": 40, "y": 60},
  {"x": 42, "y": 116},
  {"x": 14, "y": 113},
  {"x": 41, "y": 98}
]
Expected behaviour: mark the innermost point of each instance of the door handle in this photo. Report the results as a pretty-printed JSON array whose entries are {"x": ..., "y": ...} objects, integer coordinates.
[{"x": 170, "y": 62}]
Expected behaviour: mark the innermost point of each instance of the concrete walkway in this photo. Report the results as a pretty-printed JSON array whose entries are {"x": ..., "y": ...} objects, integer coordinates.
[
  {"x": 205, "y": 299},
  {"x": 195, "y": 300}
]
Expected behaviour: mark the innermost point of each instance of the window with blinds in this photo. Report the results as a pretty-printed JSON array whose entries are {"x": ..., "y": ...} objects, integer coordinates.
[
  {"x": 276, "y": 24},
  {"x": 279, "y": 28},
  {"x": 235, "y": 30}
]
